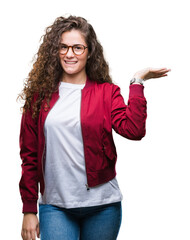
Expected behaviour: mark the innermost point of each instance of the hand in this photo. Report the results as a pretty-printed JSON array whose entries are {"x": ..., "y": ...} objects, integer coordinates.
[
  {"x": 148, "y": 73},
  {"x": 30, "y": 227}
]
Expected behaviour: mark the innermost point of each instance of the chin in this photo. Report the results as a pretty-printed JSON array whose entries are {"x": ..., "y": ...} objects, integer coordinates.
[{"x": 71, "y": 72}]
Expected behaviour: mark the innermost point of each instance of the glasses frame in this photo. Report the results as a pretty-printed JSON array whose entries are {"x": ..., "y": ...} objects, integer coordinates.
[{"x": 72, "y": 47}]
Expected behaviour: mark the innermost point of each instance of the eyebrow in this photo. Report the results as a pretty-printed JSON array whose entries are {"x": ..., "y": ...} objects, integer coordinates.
[{"x": 71, "y": 45}]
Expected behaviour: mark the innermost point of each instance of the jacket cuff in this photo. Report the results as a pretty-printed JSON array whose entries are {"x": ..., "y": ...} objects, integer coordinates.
[
  {"x": 30, "y": 207},
  {"x": 136, "y": 90}
]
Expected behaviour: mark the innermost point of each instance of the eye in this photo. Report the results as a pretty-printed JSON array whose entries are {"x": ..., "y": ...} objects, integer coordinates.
[
  {"x": 63, "y": 46},
  {"x": 78, "y": 47}
]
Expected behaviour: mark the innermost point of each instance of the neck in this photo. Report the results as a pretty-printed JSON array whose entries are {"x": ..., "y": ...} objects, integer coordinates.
[{"x": 79, "y": 78}]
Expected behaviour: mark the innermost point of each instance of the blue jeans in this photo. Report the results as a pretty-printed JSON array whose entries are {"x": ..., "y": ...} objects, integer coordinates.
[{"x": 86, "y": 223}]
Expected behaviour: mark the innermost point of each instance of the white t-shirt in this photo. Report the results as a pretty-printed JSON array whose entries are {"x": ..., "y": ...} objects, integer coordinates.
[{"x": 64, "y": 171}]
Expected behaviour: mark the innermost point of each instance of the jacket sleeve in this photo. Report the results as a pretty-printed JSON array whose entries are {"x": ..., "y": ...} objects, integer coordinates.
[
  {"x": 129, "y": 120},
  {"x": 28, "y": 184}
]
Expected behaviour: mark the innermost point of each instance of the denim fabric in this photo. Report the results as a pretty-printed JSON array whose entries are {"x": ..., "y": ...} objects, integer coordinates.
[{"x": 86, "y": 223}]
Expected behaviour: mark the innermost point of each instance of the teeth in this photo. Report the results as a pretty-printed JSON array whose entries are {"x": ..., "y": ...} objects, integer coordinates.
[{"x": 70, "y": 62}]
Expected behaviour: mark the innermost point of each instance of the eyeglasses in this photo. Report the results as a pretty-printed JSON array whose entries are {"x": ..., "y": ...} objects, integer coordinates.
[{"x": 77, "y": 49}]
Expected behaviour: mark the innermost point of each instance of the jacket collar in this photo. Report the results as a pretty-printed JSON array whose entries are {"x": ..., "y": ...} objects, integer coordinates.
[{"x": 89, "y": 83}]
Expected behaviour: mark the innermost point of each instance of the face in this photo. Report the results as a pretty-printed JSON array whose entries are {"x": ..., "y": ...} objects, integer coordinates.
[{"x": 73, "y": 64}]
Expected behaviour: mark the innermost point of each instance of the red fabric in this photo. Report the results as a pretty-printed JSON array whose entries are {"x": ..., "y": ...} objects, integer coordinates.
[{"x": 102, "y": 108}]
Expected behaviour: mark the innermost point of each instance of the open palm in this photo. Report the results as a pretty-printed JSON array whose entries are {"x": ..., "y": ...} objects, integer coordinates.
[{"x": 148, "y": 73}]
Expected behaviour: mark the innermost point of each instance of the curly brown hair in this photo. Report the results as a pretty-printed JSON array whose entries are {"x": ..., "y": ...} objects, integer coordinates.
[{"x": 46, "y": 73}]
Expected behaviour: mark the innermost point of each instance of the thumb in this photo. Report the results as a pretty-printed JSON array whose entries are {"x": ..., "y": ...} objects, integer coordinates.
[{"x": 38, "y": 230}]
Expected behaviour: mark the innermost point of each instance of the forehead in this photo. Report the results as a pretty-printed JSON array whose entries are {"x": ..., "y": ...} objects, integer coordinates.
[{"x": 72, "y": 37}]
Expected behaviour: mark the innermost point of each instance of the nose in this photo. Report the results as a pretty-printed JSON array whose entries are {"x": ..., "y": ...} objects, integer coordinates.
[{"x": 70, "y": 52}]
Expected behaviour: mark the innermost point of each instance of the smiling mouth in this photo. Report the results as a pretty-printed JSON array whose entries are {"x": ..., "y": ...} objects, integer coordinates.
[{"x": 70, "y": 62}]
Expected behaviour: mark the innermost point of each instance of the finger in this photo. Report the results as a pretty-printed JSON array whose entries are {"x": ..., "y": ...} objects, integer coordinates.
[
  {"x": 159, "y": 76},
  {"x": 164, "y": 75},
  {"x": 28, "y": 236},
  {"x": 24, "y": 235},
  {"x": 163, "y": 71},
  {"x": 160, "y": 70},
  {"x": 33, "y": 235}
]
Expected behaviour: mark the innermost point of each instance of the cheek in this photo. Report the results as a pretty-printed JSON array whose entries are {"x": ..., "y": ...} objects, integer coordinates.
[
  {"x": 84, "y": 59},
  {"x": 84, "y": 56},
  {"x": 82, "y": 62}
]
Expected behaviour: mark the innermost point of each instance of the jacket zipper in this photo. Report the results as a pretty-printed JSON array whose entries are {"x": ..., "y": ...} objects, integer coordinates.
[{"x": 87, "y": 187}]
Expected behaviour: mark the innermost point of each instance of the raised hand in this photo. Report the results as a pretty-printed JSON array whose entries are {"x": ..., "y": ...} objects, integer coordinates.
[{"x": 149, "y": 73}]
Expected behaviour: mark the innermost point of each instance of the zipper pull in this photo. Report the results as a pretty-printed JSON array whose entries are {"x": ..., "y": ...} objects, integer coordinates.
[{"x": 87, "y": 187}]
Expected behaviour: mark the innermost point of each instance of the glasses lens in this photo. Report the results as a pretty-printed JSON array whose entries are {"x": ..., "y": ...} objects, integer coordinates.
[
  {"x": 78, "y": 49},
  {"x": 63, "y": 49}
]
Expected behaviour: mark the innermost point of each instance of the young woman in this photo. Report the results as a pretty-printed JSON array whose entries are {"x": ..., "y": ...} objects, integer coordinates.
[{"x": 71, "y": 106}]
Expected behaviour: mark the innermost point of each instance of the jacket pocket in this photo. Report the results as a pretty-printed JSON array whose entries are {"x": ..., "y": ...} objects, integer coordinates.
[{"x": 108, "y": 146}]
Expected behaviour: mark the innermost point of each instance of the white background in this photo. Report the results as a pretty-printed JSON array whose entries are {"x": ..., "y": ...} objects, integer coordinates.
[{"x": 154, "y": 173}]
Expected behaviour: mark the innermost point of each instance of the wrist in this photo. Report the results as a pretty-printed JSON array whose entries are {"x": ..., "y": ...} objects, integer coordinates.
[
  {"x": 29, "y": 213},
  {"x": 137, "y": 81}
]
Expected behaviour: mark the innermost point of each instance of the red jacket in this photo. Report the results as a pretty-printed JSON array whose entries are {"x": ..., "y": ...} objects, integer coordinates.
[{"x": 102, "y": 108}]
